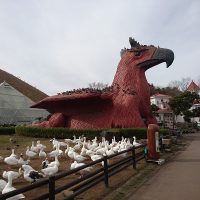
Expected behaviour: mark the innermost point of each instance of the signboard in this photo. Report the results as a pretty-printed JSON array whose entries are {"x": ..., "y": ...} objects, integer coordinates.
[{"x": 157, "y": 141}]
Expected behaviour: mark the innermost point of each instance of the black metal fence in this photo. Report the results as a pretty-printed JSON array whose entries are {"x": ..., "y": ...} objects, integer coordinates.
[{"x": 82, "y": 184}]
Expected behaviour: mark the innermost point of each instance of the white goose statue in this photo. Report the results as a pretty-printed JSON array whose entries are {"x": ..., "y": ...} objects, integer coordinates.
[
  {"x": 34, "y": 148},
  {"x": 30, "y": 174},
  {"x": 67, "y": 149},
  {"x": 71, "y": 152},
  {"x": 78, "y": 146},
  {"x": 68, "y": 140},
  {"x": 42, "y": 154},
  {"x": 2, "y": 184},
  {"x": 110, "y": 152},
  {"x": 135, "y": 144},
  {"x": 13, "y": 174},
  {"x": 101, "y": 151},
  {"x": 21, "y": 161},
  {"x": 11, "y": 160},
  {"x": 95, "y": 157},
  {"x": 78, "y": 157},
  {"x": 50, "y": 170},
  {"x": 9, "y": 188},
  {"x": 29, "y": 153},
  {"x": 82, "y": 172},
  {"x": 13, "y": 153},
  {"x": 56, "y": 162},
  {"x": 83, "y": 151},
  {"x": 55, "y": 152},
  {"x": 40, "y": 146}
]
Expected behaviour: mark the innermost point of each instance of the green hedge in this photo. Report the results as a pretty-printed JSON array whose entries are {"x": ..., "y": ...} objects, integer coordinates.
[
  {"x": 56, "y": 132},
  {"x": 60, "y": 133},
  {"x": 7, "y": 130}
]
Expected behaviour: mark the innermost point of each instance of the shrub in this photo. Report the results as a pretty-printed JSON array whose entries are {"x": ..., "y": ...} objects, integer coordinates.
[
  {"x": 60, "y": 133},
  {"x": 56, "y": 132},
  {"x": 7, "y": 130}
]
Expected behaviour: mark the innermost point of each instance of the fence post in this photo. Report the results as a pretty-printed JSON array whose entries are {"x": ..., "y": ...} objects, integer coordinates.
[
  {"x": 133, "y": 156},
  {"x": 52, "y": 188},
  {"x": 105, "y": 171}
]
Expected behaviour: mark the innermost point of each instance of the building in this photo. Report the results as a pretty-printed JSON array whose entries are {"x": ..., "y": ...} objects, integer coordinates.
[
  {"x": 164, "y": 116},
  {"x": 23, "y": 87},
  {"x": 193, "y": 87},
  {"x": 15, "y": 107},
  {"x": 160, "y": 100},
  {"x": 196, "y": 105}
]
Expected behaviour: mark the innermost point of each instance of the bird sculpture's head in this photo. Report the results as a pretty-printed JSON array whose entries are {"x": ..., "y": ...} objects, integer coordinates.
[{"x": 146, "y": 57}]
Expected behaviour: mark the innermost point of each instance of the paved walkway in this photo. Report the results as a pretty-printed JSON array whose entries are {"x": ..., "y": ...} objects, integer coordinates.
[{"x": 178, "y": 179}]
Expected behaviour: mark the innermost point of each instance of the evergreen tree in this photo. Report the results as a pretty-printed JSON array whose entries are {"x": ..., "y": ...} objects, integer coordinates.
[{"x": 182, "y": 103}]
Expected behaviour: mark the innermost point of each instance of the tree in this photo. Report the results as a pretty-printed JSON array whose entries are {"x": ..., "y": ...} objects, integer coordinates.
[
  {"x": 175, "y": 84},
  {"x": 171, "y": 91},
  {"x": 182, "y": 84},
  {"x": 97, "y": 85},
  {"x": 183, "y": 102},
  {"x": 196, "y": 112},
  {"x": 154, "y": 109},
  {"x": 188, "y": 114},
  {"x": 185, "y": 83}
]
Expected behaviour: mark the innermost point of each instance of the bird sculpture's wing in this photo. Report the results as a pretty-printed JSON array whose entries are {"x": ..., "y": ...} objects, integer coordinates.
[{"x": 71, "y": 104}]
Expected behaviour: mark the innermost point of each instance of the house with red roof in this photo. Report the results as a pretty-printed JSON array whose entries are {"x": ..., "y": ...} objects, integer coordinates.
[
  {"x": 165, "y": 116},
  {"x": 160, "y": 100}
]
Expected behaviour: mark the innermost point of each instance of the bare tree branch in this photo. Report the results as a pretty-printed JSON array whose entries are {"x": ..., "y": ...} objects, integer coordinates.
[
  {"x": 182, "y": 84},
  {"x": 97, "y": 85}
]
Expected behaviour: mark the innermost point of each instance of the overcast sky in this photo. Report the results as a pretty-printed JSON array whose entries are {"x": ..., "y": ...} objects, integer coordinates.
[{"x": 59, "y": 45}]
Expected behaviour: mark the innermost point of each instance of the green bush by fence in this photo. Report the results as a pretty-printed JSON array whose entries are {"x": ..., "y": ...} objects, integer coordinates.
[
  {"x": 56, "y": 132},
  {"x": 60, "y": 133},
  {"x": 7, "y": 130}
]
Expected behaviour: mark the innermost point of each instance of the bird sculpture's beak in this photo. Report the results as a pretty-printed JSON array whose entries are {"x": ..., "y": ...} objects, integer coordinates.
[
  {"x": 160, "y": 55},
  {"x": 164, "y": 55}
]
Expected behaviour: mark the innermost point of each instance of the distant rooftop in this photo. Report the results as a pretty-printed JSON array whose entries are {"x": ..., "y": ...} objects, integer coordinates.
[
  {"x": 193, "y": 87},
  {"x": 160, "y": 95}
]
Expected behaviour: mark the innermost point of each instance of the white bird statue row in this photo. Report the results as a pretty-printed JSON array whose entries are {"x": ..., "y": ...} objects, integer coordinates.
[{"x": 77, "y": 149}]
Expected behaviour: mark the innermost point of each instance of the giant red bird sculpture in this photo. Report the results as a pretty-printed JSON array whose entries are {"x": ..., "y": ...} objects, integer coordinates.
[{"x": 126, "y": 104}]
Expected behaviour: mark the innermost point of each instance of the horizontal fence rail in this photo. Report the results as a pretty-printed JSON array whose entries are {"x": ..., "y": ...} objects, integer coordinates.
[{"x": 84, "y": 183}]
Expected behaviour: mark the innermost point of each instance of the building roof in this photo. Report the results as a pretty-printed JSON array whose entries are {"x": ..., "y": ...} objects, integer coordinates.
[
  {"x": 193, "y": 87},
  {"x": 31, "y": 92},
  {"x": 165, "y": 110},
  {"x": 160, "y": 96}
]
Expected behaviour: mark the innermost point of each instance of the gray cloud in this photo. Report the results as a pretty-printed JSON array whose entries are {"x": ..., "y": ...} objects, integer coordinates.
[{"x": 61, "y": 45}]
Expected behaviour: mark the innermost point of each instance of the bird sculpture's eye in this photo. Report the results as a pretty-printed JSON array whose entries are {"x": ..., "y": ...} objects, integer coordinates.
[{"x": 137, "y": 53}]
